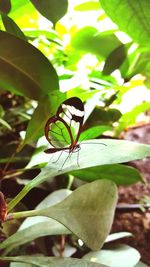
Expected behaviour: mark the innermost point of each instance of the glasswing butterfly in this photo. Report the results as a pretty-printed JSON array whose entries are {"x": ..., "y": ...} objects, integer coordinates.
[{"x": 63, "y": 130}]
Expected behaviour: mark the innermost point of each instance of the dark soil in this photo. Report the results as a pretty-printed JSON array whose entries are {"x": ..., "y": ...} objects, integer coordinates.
[{"x": 136, "y": 222}]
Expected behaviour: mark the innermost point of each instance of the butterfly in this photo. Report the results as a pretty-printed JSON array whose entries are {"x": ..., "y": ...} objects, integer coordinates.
[{"x": 63, "y": 130}]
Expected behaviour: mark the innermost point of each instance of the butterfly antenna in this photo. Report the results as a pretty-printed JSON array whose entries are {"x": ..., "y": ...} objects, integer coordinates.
[{"x": 93, "y": 143}]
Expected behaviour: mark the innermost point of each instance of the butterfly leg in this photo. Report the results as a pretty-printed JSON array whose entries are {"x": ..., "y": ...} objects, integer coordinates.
[
  {"x": 77, "y": 151},
  {"x": 65, "y": 161},
  {"x": 58, "y": 157},
  {"x": 78, "y": 157}
]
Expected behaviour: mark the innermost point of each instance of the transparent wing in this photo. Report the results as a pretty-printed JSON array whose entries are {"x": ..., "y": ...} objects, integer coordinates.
[
  {"x": 58, "y": 133},
  {"x": 63, "y": 129},
  {"x": 72, "y": 112}
]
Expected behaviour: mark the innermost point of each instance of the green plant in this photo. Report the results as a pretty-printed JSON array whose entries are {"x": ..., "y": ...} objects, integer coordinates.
[{"x": 41, "y": 66}]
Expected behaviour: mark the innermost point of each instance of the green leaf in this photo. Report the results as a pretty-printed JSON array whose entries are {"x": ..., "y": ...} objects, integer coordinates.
[
  {"x": 115, "y": 59},
  {"x": 52, "y": 261},
  {"x": 5, "y": 124},
  {"x": 21, "y": 264},
  {"x": 45, "y": 228},
  {"x": 117, "y": 256},
  {"x": 132, "y": 17},
  {"x": 137, "y": 62},
  {"x": 88, "y": 39},
  {"x": 141, "y": 264},
  {"x": 115, "y": 151},
  {"x": 2, "y": 111},
  {"x": 116, "y": 236},
  {"x": 94, "y": 132},
  {"x": 101, "y": 116},
  {"x": 120, "y": 174},
  {"x": 5, "y": 6},
  {"x": 52, "y": 10},
  {"x": 88, "y": 6},
  {"x": 89, "y": 218},
  {"x": 45, "y": 109},
  {"x": 24, "y": 69},
  {"x": 12, "y": 27},
  {"x": 111, "y": 99},
  {"x": 50, "y": 35},
  {"x": 129, "y": 118}
]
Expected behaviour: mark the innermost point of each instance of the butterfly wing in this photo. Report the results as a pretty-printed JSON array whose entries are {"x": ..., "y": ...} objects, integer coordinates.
[
  {"x": 63, "y": 129},
  {"x": 57, "y": 132},
  {"x": 72, "y": 112}
]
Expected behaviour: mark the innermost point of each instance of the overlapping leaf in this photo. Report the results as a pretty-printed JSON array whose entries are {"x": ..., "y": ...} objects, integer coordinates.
[
  {"x": 118, "y": 255},
  {"x": 52, "y": 10},
  {"x": 24, "y": 69},
  {"x": 90, "y": 155},
  {"x": 52, "y": 261},
  {"x": 88, "y": 212},
  {"x": 132, "y": 17},
  {"x": 120, "y": 174}
]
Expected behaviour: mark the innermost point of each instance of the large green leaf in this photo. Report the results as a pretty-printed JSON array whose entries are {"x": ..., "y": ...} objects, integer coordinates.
[
  {"x": 52, "y": 10},
  {"x": 52, "y": 261},
  {"x": 120, "y": 174},
  {"x": 117, "y": 256},
  {"x": 88, "y": 212},
  {"x": 24, "y": 69},
  {"x": 88, "y": 39},
  {"x": 90, "y": 155},
  {"x": 132, "y": 17}
]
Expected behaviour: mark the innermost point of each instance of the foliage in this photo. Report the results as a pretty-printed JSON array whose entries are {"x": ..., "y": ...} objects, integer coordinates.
[{"x": 50, "y": 51}]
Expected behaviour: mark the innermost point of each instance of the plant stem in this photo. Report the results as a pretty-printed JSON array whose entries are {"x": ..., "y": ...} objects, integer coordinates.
[
  {"x": 17, "y": 199},
  {"x": 70, "y": 181},
  {"x": 22, "y": 214}
]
